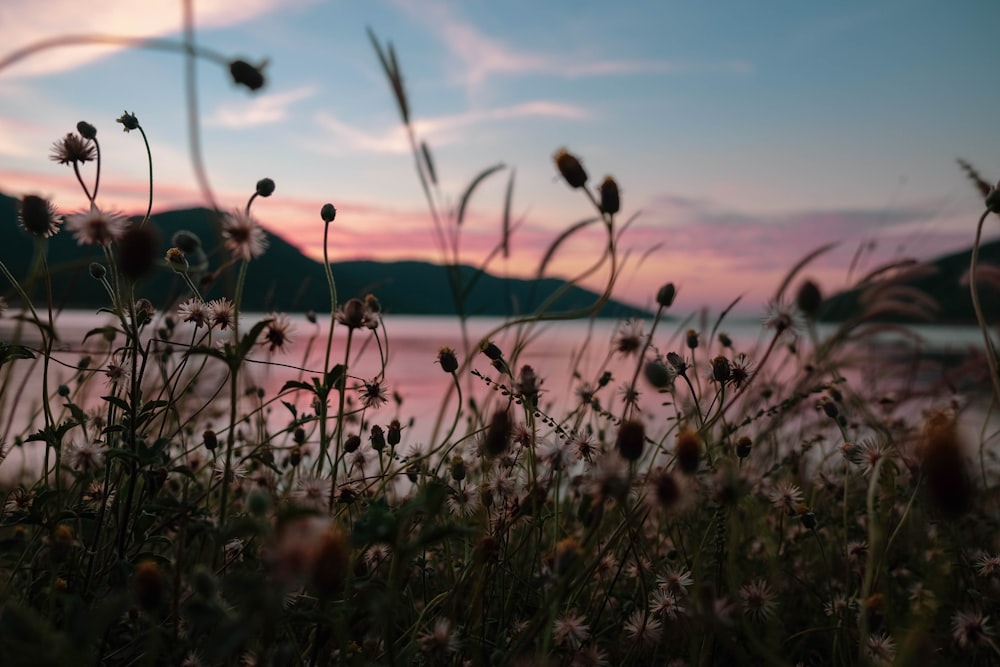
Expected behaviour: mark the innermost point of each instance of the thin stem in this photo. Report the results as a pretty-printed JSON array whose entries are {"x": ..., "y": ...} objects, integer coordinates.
[
  {"x": 991, "y": 357},
  {"x": 149, "y": 160}
]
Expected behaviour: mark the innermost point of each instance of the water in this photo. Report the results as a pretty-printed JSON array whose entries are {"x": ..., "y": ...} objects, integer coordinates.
[{"x": 563, "y": 354}]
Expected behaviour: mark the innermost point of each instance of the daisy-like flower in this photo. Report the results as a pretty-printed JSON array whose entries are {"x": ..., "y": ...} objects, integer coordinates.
[
  {"x": 988, "y": 566},
  {"x": 675, "y": 580},
  {"x": 570, "y": 631},
  {"x": 590, "y": 656},
  {"x": 194, "y": 310},
  {"x": 243, "y": 235},
  {"x": 439, "y": 640},
  {"x": 584, "y": 447},
  {"x": 97, "y": 493},
  {"x": 786, "y": 496},
  {"x": 117, "y": 373},
  {"x": 629, "y": 340},
  {"x": 372, "y": 394},
  {"x": 758, "y": 603},
  {"x": 881, "y": 649},
  {"x": 838, "y": 606},
  {"x": 86, "y": 456},
  {"x": 643, "y": 629},
  {"x": 663, "y": 603},
  {"x": 872, "y": 451},
  {"x": 73, "y": 149},
  {"x": 276, "y": 333},
  {"x": 464, "y": 501},
  {"x": 312, "y": 492},
  {"x": 585, "y": 392},
  {"x": 222, "y": 313},
  {"x": 356, "y": 314},
  {"x": 96, "y": 227},
  {"x": 37, "y": 216},
  {"x": 971, "y": 629},
  {"x": 377, "y": 554},
  {"x": 782, "y": 317},
  {"x": 19, "y": 500},
  {"x": 237, "y": 471}
]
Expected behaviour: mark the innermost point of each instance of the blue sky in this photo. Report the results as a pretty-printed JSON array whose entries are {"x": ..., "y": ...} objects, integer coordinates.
[{"x": 745, "y": 134}]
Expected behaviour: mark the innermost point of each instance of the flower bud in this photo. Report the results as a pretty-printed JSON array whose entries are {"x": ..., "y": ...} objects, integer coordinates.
[
  {"x": 610, "y": 198},
  {"x": 211, "y": 440},
  {"x": 570, "y": 168},
  {"x": 247, "y": 75},
  {"x": 687, "y": 451},
  {"x": 721, "y": 369},
  {"x": 97, "y": 271},
  {"x": 665, "y": 296},
  {"x": 86, "y": 130},
  {"x": 457, "y": 468},
  {"x": 394, "y": 435},
  {"x": 129, "y": 121},
  {"x": 328, "y": 213},
  {"x": 265, "y": 187},
  {"x": 631, "y": 440},
  {"x": 448, "y": 360},
  {"x": 352, "y": 443},
  {"x": 743, "y": 447},
  {"x": 692, "y": 339},
  {"x": 809, "y": 298},
  {"x": 491, "y": 350},
  {"x": 993, "y": 199},
  {"x": 498, "y": 434},
  {"x": 658, "y": 374},
  {"x": 378, "y": 438},
  {"x": 188, "y": 242}
]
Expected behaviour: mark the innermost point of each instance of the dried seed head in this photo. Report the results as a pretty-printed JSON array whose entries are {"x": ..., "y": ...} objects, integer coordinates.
[
  {"x": 570, "y": 168},
  {"x": 631, "y": 439},
  {"x": 498, "y": 434},
  {"x": 666, "y": 295},
  {"x": 245, "y": 74},
  {"x": 721, "y": 369},
  {"x": 610, "y": 198},
  {"x": 809, "y": 298},
  {"x": 687, "y": 451},
  {"x": 448, "y": 360}
]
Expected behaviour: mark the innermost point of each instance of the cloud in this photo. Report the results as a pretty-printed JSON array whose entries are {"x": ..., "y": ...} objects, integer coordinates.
[
  {"x": 479, "y": 56},
  {"x": 25, "y": 23},
  {"x": 443, "y": 130},
  {"x": 264, "y": 109}
]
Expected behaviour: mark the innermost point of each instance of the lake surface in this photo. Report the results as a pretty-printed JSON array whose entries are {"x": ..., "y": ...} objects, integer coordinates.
[{"x": 563, "y": 354}]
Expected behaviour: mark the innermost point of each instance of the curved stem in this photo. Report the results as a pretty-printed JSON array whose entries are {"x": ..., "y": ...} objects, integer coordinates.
[
  {"x": 149, "y": 160},
  {"x": 991, "y": 357}
]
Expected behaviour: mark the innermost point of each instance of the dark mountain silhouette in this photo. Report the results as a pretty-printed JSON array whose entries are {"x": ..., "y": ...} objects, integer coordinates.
[
  {"x": 941, "y": 279},
  {"x": 282, "y": 279}
]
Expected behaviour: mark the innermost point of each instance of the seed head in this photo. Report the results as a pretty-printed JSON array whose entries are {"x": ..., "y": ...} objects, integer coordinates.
[
  {"x": 809, "y": 298},
  {"x": 498, "y": 434},
  {"x": 448, "y": 360},
  {"x": 37, "y": 216},
  {"x": 666, "y": 295},
  {"x": 86, "y": 130},
  {"x": 687, "y": 451},
  {"x": 692, "y": 339},
  {"x": 610, "y": 199},
  {"x": 631, "y": 440},
  {"x": 245, "y": 74},
  {"x": 721, "y": 369},
  {"x": 743, "y": 447},
  {"x": 570, "y": 168},
  {"x": 129, "y": 121}
]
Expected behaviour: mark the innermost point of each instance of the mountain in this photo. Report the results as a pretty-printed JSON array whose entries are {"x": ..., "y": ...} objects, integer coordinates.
[
  {"x": 941, "y": 279},
  {"x": 283, "y": 279}
]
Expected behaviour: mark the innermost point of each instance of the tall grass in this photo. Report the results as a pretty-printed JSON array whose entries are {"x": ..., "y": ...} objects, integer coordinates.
[{"x": 701, "y": 502}]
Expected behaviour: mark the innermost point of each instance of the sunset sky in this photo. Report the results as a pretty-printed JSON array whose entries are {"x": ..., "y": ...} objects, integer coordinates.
[{"x": 743, "y": 134}]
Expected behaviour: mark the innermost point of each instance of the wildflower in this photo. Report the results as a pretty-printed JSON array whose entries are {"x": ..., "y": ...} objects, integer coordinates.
[
  {"x": 590, "y": 656},
  {"x": 610, "y": 197},
  {"x": 786, "y": 496},
  {"x": 687, "y": 451},
  {"x": 19, "y": 500},
  {"x": 245, "y": 74},
  {"x": 498, "y": 433},
  {"x": 464, "y": 501},
  {"x": 128, "y": 120},
  {"x": 780, "y": 317},
  {"x": 970, "y": 629},
  {"x": 666, "y": 490},
  {"x": 328, "y": 213},
  {"x": 758, "y": 603},
  {"x": 354, "y": 314},
  {"x": 584, "y": 446},
  {"x": 377, "y": 554},
  {"x": 237, "y": 471},
  {"x": 222, "y": 313},
  {"x": 570, "y": 168},
  {"x": 527, "y": 385},
  {"x": 440, "y": 640},
  {"x": 692, "y": 339},
  {"x": 678, "y": 363},
  {"x": 642, "y": 629},
  {"x": 629, "y": 339},
  {"x": 988, "y": 565},
  {"x": 192, "y": 659},
  {"x": 265, "y": 187},
  {"x": 86, "y": 456},
  {"x": 448, "y": 360},
  {"x": 675, "y": 580},
  {"x": 312, "y": 492},
  {"x": 838, "y": 606},
  {"x": 609, "y": 479},
  {"x": 96, "y": 227},
  {"x": 659, "y": 374},
  {"x": 373, "y": 394},
  {"x": 809, "y": 298},
  {"x": 37, "y": 216},
  {"x": 244, "y": 235},
  {"x": 631, "y": 439},
  {"x": 857, "y": 553},
  {"x": 73, "y": 149},
  {"x": 117, "y": 374},
  {"x": 276, "y": 333},
  {"x": 194, "y": 310},
  {"x": 664, "y": 604},
  {"x": 872, "y": 451},
  {"x": 570, "y": 631},
  {"x": 666, "y": 295},
  {"x": 743, "y": 447},
  {"x": 629, "y": 394},
  {"x": 881, "y": 649}
]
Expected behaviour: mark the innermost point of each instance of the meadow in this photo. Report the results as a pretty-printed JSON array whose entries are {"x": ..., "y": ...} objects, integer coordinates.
[{"x": 689, "y": 498}]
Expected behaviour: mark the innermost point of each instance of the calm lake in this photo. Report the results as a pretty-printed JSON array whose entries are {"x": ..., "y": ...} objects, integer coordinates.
[{"x": 562, "y": 354}]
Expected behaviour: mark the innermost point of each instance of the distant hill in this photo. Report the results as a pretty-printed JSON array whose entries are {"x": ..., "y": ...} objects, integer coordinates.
[
  {"x": 284, "y": 279},
  {"x": 940, "y": 279}
]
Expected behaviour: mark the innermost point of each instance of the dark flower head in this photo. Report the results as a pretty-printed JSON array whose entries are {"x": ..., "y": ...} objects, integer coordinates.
[
  {"x": 245, "y": 74},
  {"x": 265, "y": 187},
  {"x": 129, "y": 121},
  {"x": 570, "y": 168},
  {"x": 631, "y": 440},
  {"x": 86, "y": 130},
  {"x": 72, "y": 149},
  {"x": 37, "y": 216},
  {"x": 448, "y": 360},
  {"x": 610, "y": 198},
  {"x": 138, "y": 251}
]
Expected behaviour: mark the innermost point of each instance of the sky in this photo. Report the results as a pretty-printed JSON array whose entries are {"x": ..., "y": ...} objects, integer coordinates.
[{"x": 743, "y": 135}]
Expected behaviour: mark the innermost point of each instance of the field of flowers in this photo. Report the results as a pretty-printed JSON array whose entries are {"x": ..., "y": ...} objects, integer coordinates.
[{"x": 702, "y": 504}]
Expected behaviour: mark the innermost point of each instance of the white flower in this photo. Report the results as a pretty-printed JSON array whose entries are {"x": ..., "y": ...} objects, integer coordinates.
[{"x": 244, "y": 236}]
